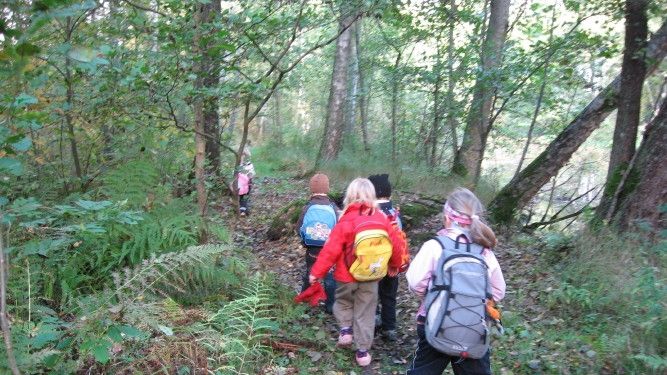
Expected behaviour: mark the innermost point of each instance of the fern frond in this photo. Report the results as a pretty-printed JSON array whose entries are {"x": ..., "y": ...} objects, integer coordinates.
[
  {"x": 245, "y": 325},
  {"x": 162, "y": 270}
]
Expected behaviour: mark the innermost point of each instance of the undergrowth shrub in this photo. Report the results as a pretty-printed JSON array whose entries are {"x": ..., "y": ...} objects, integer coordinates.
[
  {"x": 613, "y": 288},
  {"x": 136, "y": 181},
  {"x": 114, "y": 324}
]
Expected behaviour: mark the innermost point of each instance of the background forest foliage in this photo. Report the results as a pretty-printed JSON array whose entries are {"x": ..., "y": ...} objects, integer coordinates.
[{"x": 123, "y": 123}]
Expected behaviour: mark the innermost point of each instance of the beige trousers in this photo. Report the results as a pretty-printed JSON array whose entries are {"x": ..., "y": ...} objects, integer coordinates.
[{"x": 355, "y": 307}]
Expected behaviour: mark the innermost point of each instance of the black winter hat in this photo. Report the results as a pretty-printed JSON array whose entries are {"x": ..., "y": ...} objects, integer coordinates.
[{"x": 381, "y": 184}]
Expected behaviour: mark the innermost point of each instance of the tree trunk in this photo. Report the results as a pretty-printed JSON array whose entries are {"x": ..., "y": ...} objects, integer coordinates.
[
  {"x": 205, "y": 106},
  {"x": 521, "y": 190},
  {"x": 277, "y": 132},
  {"x": 363, "y": 90},
  {"x": 333, "y": 128},
  {"x": 4, "y": 317},
  {"x": 435, "y": 131},
  {"x": 209, "y": 79},
  {"x": 451, "y": 119},
  {"x": 633, "y": 72},
  {"x": 394, "y": 104},
  {"x": 468, "y": 160},
  {"x": 69, "y": 121},
  {"x": 644, "y": 193},
  {"x": 353, "y": 85}
]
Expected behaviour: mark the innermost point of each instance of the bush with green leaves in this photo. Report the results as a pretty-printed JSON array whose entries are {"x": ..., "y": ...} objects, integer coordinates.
[{"x": 612, "y": 288}]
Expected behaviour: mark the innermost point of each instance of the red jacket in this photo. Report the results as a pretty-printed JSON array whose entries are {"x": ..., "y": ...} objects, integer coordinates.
[{"x": 341, "y": 240}]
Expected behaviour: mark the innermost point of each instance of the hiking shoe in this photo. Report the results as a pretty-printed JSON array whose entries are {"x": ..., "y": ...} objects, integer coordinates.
[
  {"x": 363, "y": 358},
  {"x": 390, "y": 335},
  {"x": 345, "y": 337}
]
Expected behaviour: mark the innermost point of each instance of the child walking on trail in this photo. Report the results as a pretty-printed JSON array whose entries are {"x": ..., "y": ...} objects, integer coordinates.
[
  {"x": 318, "y": 218},
  {"x": 462, "y": 224},
  {"x": 385, "y": 319},
  {"x": 356, "y": 301},
  {"x": 246, "y": 173}
]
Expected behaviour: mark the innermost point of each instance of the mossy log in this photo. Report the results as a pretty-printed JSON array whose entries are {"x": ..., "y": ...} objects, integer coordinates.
[
  {"x": 415, "y": 212},
  {"x": 285, "y": 220}
]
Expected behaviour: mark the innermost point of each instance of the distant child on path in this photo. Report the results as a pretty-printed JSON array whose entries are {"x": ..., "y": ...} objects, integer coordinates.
[
  {"x": 318, "y": 218},
  {"x": 388, "y": 287},
  {"x": 244, "y": 179},
  {"x": 462, "y": 213},
  {"x": 356, "y": 301}
]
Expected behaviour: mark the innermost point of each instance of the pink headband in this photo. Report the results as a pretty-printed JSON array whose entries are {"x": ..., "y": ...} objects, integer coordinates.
[{"x": 458, "y": 217}]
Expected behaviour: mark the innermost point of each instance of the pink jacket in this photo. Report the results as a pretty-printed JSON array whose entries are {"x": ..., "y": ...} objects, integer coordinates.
[{"x": 422, "y": 266}]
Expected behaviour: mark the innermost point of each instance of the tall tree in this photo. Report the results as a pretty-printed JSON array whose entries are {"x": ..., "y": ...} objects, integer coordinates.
[
  {"x": 335, "y": 122},
  {"x": 353, "y": 83},
  {"x": 516, "y": 194},
  {"x": 643, "y": 194},
  {"x": 633, "y": 72},
  {"x": 364, "y": 88},
  {"x": 205, "y": 105},
  {"x": 468, "y": 159}
]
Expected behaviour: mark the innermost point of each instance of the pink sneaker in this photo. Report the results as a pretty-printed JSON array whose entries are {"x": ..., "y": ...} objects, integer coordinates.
[
  {"x": 363, "y": 358},
  {"x": 345, "y": 337}
]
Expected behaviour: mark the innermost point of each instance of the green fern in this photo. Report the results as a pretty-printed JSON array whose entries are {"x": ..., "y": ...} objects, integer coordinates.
[
  {"x": 653, "y": 362},
  {"x": 131, "y": 181},
  {"x": 245, "y": 325},
  {"x": 155, "y": 274},
  {"x": 165, "y": 229}
]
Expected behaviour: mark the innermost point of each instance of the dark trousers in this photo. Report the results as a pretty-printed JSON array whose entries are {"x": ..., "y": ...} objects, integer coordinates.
[
  {"x": 243, "y": 202},
  {"x": 429, "y": 361},
  {"x": 387, "y": 290},
  {"x": 329, "y": 282}
]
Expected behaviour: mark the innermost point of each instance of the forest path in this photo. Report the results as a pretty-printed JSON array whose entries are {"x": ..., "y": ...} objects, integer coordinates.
[{"x": 285, "y": 258}]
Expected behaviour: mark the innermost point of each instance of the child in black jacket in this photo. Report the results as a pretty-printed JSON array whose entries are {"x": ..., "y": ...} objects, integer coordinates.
[{"x": 385, "y": 318}]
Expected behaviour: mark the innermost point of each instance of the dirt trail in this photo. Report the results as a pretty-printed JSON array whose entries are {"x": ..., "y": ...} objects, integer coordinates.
[{"x": 285, "y": 258}]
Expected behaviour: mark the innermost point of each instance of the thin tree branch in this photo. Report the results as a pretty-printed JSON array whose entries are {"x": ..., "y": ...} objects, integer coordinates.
[{"x": 141, "y": 7}]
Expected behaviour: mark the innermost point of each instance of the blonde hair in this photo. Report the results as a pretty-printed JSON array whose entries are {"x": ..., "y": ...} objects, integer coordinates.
[
  {"x": 465, "y": 202},
  {"x": 360, "y": 190}
]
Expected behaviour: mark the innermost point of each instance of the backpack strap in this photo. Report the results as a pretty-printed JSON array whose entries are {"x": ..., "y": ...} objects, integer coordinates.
[{"x": 470, "y": 246}]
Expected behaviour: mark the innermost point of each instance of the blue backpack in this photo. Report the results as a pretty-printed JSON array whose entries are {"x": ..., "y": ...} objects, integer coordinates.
[{"x": 318, "y": 222}]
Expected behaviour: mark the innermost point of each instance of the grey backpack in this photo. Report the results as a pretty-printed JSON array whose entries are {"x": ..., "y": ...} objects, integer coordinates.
[{"x": 456, "y": 300}]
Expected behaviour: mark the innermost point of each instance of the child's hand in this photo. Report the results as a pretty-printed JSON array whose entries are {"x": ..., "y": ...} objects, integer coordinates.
[
  {"x": 312, "y": 279},
  {"x": 392, "y": 271}
]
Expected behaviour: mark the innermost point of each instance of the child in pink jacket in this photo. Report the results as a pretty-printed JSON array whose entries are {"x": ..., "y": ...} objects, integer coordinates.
[{"x": 461, "y": 216}]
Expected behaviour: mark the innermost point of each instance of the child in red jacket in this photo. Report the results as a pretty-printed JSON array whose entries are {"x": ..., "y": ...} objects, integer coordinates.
[{"x": 356, "y": 301}]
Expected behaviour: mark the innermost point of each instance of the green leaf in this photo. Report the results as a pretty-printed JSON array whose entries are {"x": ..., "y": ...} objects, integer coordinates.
[
  {"x": 93, "y": 205},
  {"x": 24, "y": 100},
  {"x": 114, "y": 334},
  {"x": 22, "y": 145},
  {"x": 82, "y": 54},
  {"x": 43, "y": 247},
  {"x": 39, "y": 341},
  {"x": 11, "y": 166},
  {"x": 101, "y": 351},
  {"x": 130, "y": 331},
  {"x": 27, "y": 49}
]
